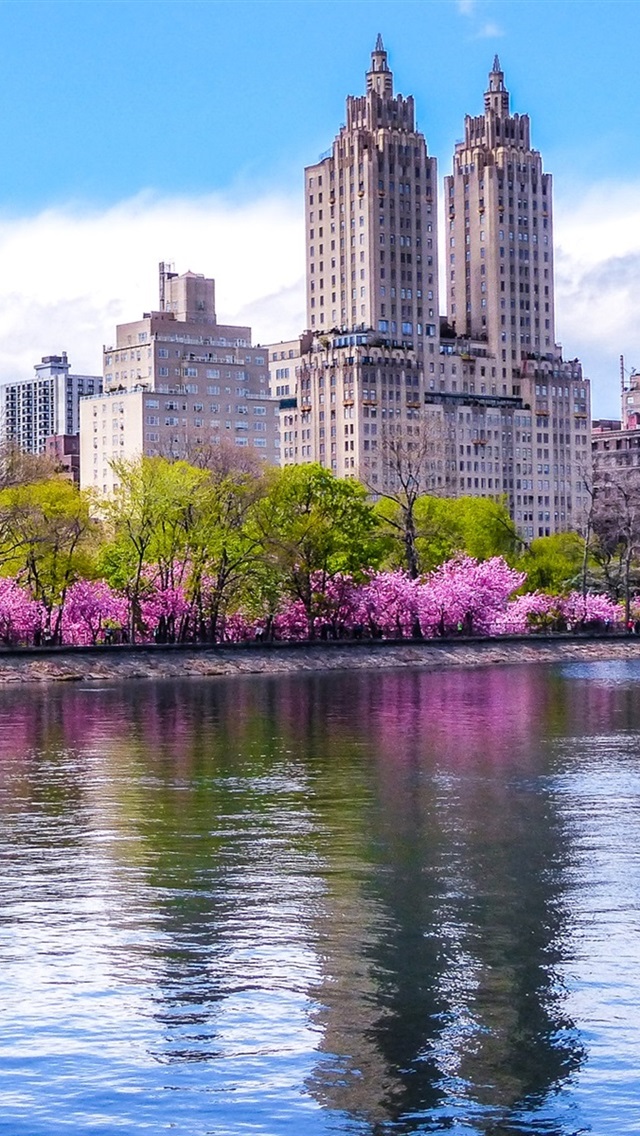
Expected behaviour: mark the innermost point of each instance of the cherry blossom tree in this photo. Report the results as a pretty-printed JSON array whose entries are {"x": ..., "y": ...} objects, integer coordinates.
[
  {"x": 467, "y": 595},
  {"x": 463, "y": 595},
  {"x": 290, "y": 621},
  {"x": 21, "y": 617},
  {"x": 163, "y": 611},
  {"x": 389, "y": 604},
  {"x": 533, "y": 611},
  {"x": 237, "y": 628},
  {"x": 91, "y": 610},
  {"x": 579, "y": 609}
]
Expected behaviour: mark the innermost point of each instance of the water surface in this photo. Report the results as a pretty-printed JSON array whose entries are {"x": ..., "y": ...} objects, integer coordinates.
[{"x": 366, "y": 903}]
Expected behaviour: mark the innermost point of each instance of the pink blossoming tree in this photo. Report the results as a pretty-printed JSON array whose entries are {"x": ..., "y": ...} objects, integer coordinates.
[
  {"x": 91, "y": 612},
  {"x": 468, "y": 595},
  {"x": 21, "y": 617},
  {"x": 579, "y": 609}
]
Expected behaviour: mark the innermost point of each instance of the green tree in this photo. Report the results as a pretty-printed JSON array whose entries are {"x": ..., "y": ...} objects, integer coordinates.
[
  {"x": 184, "y": 527},
  {"x": 553, "y": 564},
  {"x": 314, "y": 526},
  {"x": 48, "y": 540},
  {"x": 444, "y": 526},
  {"x": 487, "y": 529},
  {"x": 134, "y": 516},
  {"x": 226, "y": 550},
  {"x": 419, "y": 543}
]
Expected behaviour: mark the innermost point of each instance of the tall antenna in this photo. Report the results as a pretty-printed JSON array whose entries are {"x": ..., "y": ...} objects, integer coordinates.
[
  {"x": 162, "y": 272},
  {"x": 629, "y": 397}
]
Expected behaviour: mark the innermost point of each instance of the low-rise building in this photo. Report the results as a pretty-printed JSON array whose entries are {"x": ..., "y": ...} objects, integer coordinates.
[
  {"x": 64, "y": 450},
  {"x": 172, "y": 423},
  {"x": 615, "y": 442}
]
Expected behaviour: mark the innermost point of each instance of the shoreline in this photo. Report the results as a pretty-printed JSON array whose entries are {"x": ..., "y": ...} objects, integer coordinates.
[{"x": 154, "y": 661}]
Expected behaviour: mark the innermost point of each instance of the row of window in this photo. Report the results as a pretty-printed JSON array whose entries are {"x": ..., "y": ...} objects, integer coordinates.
[{"x": 173, "y": 420}]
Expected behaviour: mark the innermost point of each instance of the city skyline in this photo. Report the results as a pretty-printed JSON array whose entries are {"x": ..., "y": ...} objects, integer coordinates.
[{"x": 81, "y": 210}]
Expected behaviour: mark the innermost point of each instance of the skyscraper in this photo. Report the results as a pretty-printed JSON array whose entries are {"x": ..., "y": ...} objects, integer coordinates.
[
  {"x": 482, "y": 397},
  {"x": 500, "y": 291},
  {"x": 370, "y": 211},
  {"x": 372, "y": 287},
  {"x": 500, "y": 236}
]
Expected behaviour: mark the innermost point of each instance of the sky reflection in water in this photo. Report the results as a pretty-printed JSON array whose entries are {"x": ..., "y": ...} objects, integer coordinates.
[{"x": 364, "y": 903}]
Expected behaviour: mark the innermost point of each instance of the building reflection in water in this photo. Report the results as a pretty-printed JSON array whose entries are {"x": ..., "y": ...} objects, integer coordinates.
[{"x": 367, "y": 868}]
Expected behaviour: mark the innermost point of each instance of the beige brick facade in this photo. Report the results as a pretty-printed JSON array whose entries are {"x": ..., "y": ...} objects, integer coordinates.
[
  {"x": 500, "y": 291},
  {"x": 177, "y": 383}
]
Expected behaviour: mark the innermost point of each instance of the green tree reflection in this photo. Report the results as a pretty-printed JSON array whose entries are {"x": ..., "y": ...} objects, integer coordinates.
[{"x": 364, "y": 871}]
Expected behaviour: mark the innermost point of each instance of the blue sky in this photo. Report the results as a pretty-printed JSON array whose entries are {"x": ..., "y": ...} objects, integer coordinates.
[{"x": 140, "y": 130}]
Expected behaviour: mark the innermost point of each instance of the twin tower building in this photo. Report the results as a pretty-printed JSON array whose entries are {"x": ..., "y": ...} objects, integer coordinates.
[
  {"x": 480, "y": 403},
  {"x": 381, "y": 387}
]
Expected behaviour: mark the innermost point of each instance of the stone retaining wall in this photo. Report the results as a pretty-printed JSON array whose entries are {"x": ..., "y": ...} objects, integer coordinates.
[{"x": 115, "y": 664}]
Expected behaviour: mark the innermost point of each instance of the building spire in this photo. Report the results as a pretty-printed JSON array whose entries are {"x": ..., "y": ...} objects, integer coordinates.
[
  {"x": 497, "y": 96},
  {"x": 379, "y": 56},
  {"x": 379, "y": 77}
]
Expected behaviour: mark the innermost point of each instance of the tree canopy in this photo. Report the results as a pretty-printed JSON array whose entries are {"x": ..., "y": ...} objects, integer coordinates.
[
  {"x": 194, "y": 551},
  {"x": 48, "y": 540}
]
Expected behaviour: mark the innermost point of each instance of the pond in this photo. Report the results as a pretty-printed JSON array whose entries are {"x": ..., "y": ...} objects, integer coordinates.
[{"x": 366, "y": 903}]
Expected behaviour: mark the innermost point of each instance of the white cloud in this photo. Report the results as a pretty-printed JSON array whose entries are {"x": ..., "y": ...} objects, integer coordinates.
[
  {"x": 608, "y": 212},
  {"x": 597, "y": 237},
  {"x": 69, "y": 275},
  {"x": 489, "y": 31}
]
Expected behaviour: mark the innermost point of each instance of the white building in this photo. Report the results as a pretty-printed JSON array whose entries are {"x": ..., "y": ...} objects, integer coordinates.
[{"x": 48, "y": 404}]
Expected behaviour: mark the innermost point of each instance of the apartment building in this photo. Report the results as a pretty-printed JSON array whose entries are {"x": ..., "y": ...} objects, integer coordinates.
[
  {"x": 372, "y": 289},
  {"x": 177, "y": 383},
  {"x": 45, "y": 405},
  {"x": 500, "y": 291},
  {"x": 370, "y": 208},
  {"x": 615, "y": 443},
  {"x": 484, "y": 395}
]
